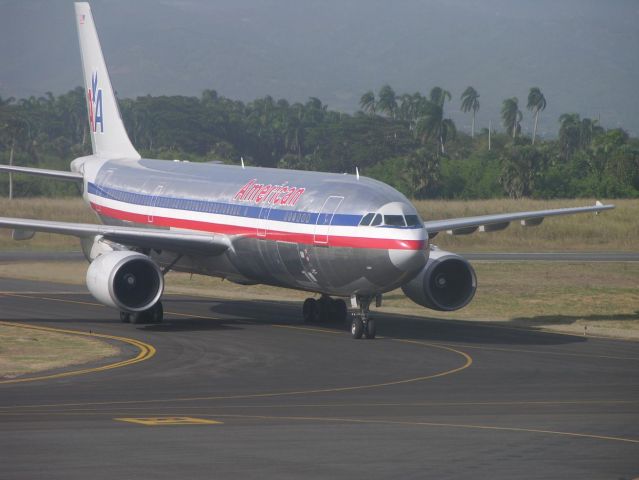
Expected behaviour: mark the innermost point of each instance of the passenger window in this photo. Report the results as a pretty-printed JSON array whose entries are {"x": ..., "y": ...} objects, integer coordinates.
[
  {"x": 394, "y": 220},
  {"x": 377, "y": 220},
  {"x": 412, "y": 220},
  {"x": 366, "y": 220}
]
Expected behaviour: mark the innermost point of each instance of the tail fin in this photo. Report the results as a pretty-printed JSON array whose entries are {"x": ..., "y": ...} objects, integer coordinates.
[{"x": 108, "y": 135}]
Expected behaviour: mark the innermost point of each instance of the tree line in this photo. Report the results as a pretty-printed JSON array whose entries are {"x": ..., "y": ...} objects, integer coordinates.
[{"x": 406, "y": 140}]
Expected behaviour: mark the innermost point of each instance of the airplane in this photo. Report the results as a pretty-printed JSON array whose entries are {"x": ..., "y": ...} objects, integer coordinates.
[{"x": 342, "y": 236}]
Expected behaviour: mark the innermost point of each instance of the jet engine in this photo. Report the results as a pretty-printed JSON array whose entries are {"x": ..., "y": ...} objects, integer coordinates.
[
  {"x": 446, "y": 283},
  {"x": 126, "y": 280}
]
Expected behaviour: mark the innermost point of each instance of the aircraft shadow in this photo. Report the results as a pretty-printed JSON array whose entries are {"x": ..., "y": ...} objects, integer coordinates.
[{"x": 395, "y": 325}]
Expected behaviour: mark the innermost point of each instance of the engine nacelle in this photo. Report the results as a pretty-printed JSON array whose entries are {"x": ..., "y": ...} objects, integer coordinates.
[
  {"x": 446, "y": 283},
  {"x": 128, "y": 281}
]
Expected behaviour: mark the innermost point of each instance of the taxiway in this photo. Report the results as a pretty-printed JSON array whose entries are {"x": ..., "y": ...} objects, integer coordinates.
[{"x": 243, "y": 389}]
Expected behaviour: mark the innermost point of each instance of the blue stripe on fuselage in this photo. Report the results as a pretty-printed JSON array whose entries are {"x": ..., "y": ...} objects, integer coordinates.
[{"x": 222, "y": 208}]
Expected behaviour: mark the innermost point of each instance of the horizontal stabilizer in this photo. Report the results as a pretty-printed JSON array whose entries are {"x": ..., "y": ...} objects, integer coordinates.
[{"x": 57, "y": 174}]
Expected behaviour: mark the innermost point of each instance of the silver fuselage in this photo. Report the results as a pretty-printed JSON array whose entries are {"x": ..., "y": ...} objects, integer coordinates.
[{"x": 294, "y": 229}]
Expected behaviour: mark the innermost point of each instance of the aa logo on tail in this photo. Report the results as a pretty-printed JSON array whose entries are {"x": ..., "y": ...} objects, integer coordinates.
[{"x": 94, "y": 97}]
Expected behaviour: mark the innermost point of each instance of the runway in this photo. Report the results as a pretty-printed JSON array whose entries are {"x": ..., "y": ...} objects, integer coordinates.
[{"x": 243, "y": 389}]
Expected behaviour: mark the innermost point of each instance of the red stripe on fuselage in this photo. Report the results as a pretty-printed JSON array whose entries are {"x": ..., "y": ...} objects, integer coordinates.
[{"x": 225, "y": 229}]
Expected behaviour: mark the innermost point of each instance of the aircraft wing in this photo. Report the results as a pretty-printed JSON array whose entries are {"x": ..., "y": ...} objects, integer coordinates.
[
  {"x": 491, "y": 223},
  {"x": 181, "y": 242},
  {"x": 57, "y": 174}
]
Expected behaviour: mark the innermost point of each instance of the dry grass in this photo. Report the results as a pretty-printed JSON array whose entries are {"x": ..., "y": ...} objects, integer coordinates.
[
  {"x": 24, "y": 351},
  {"x": 556, "y": 295},
  {"x": 616, "y": 230},
  {"x": 63, "y": 209}
]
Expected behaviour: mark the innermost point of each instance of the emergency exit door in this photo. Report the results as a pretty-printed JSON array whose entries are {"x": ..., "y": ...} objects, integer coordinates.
[{"x": 325, "y": 220}]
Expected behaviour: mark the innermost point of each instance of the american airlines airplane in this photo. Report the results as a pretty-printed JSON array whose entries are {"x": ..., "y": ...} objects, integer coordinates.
[{"x": 344, "y": 237}]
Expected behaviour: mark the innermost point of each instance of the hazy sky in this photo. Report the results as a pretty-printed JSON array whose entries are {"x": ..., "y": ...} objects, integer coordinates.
[{"x": 583, "y": 54}]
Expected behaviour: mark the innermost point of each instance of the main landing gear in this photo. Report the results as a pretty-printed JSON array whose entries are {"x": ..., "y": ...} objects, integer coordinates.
[
  {"x": 155, "y": 314},
  {"x": 324, "y": 310}
]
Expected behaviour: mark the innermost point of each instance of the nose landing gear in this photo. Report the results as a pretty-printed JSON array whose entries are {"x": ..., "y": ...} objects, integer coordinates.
[
  {"x": 362, "y": 324},
  {"x": 327, "y": 309}
]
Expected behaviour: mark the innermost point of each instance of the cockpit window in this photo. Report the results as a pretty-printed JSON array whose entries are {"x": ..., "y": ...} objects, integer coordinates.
[
  {"x": 412, "y": 220},
  {"x": 394, "y": 220},
  {"x": 366, "y": 220},
  {"x": 377, "y": 220}
]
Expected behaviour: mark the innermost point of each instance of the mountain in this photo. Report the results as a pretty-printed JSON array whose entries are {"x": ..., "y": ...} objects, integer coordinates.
[{"x": 581, "y": 53}]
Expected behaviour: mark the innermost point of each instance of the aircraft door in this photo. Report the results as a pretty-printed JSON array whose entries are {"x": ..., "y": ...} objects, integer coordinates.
[
  {"x": 154, "y": 201},
  {"x": 325, "y": 219},
  {"x": 101, "y": 185},
  {"x": 261, "y": 221}
]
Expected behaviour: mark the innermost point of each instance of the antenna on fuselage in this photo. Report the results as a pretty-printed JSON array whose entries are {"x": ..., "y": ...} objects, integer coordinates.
[
  {"x": 357, "y": 172},
  {"x": 242, "y": 161}
]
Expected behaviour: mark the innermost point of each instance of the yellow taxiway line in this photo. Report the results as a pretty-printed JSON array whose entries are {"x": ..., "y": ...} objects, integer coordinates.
[{"x": 146, "y": 351}]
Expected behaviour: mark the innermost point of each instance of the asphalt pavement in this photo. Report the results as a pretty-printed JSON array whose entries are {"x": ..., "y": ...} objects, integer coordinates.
[{"x": 244, "y": 389}]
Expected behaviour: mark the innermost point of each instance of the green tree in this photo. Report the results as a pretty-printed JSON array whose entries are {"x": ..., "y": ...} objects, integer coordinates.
[
  {"x": 367, "y": 102},
  {"x": 424, "y": 173},
  {"x": 569, "y": 134},
  {"x": 470, "y": 102},
  {"x": 387, "y": 102},
  {"x": 536, "y": 104},
  {"x": 432, "y": 123},
  {"x": 589, "y": 130},
  {"x": 511, "y": 116},
  {"x": 520, "y": 165}
]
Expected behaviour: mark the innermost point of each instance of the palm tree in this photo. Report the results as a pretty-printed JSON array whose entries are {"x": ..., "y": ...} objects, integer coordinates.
[
  {"x": 387, "y": 101},
  {"x": 438, "y": 96},
  {"x": 569, "y": 133},
  {"x": 520, "y": 164},
  {"x": 511, "y": 116},
  {"x": 432, "y": 122},
  {"x": 536, "y": 103},
  {"x": 410, "y": 107},
  {"x": 589, "y": 129},
  {"x": 367, "y": 102},
  {"x": 422, "y": 172},
  {"x": 470, "y": 102}
]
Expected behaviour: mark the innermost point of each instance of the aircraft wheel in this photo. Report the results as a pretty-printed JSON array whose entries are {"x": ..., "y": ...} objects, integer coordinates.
[
  {"x": 156, "y": 313},
  {"x": 357, "y": 327},
  {"x": 370, "y": 330},
  {"x": 137, "y": 317},
  {"x": 310, "y": 310},
  {"x": 325, "y": 309},
  {"x": 339, "y": 311},
  {"x": 125, "y": 317}
]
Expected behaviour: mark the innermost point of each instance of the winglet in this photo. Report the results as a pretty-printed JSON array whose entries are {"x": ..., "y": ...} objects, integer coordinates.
[{"x": 108, "y": 135}]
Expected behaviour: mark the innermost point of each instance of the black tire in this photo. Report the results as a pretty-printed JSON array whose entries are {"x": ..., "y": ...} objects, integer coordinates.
[
  {"x": 324, "y": 309},
  {"x": 309, "y": 310},
  {"x": 138, "y": 318},
  {"x": 371, "y": 329},
  {"x": 357, "y": 328},
  {"x": 339, "y": 311},
  {"x": 125, "y": 317},
  {"x": 156, "y": 313}
]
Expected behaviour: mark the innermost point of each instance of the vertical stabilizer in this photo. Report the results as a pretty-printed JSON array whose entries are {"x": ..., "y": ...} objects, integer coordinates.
[{"x": 108, "y": 135}]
